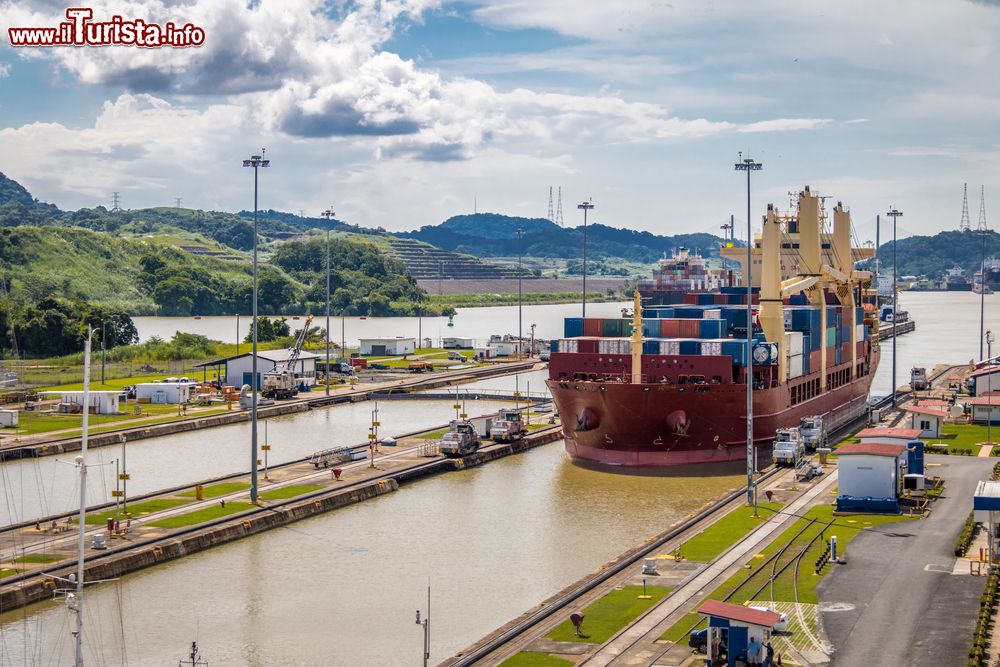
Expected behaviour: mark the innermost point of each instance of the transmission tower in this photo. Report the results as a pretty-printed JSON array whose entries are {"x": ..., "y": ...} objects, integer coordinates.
[
  {"x": 559, "y": 218},
  {"x": 177, "y": 202},
  {"x": 964, "y": 224},
  {"x": 982, "y": 209},
  {"x": 115, "y": 202},
  {"x": 550, "y": 216}
]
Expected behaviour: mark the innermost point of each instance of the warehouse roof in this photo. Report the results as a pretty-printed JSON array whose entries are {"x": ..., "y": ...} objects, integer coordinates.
[
  {"x": 871, "y": 449},
  {"x": 927, "y": 410},
  {"x": 735, "y": 612},
  {"x": 985, "y": 371},
  {"x": 276, "y": 356},
  {"x": 987, "y": 496},
  {"x": 990, "y": 399}
]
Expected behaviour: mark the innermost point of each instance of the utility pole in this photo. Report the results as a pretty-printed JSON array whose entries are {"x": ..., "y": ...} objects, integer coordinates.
[
  {"x": 81, "y": 461},
  {"x": 328, "y": 214},
  {"x": 104, "y": 347},
  {"x": 894, "y": 214},
  {"x": 982, "y": 267},
  {"x": 427, "y": 626},
  {"x": 520, "y": 251},
  {"x": 257, "y": 162},
  {"x": 748, "y": 165},
  {"x": 586, "y": 206}
]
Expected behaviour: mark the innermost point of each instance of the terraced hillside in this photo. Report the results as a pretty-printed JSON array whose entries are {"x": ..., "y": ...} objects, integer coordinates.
[{"x": 426, "y": 261}]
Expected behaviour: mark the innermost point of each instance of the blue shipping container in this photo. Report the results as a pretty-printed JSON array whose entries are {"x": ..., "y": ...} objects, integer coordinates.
[
  {"x": 554, "y": 346},
  {"x": 650, "y": 347},
  {"x": 712, "y": 328},
  {"x": 690, "y": 347},
  {"x": 689, "y": 313},
  {"x": 573, "y": 327},
  {"x": 650, "y": 328},
  {"x": 736, "y": 349}
]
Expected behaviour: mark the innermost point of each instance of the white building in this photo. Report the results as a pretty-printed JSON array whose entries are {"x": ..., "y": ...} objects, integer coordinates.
[
  {"x": 927, "y": 419},
  {"x": 165, "y": 392},
  {"x": 238, "y": 370},
  {"x": 870, "y": 470},
  {"x": 101, "y": 402},
  {"x": 457, "y": 342},
  {"x": 985, "y": 380},
  {"x": 382, "y": 347},
  {"x": 507, "y": 348},
  {"x": 986, "y": 409}
]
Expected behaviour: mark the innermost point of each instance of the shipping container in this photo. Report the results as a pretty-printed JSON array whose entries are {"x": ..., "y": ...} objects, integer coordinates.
[
  {"x": 806, "y": 361},
  {"x": 670, "y": 347},
  {"x": 795, "y": 366},
  {"x": 689, "y": 328},
  {"x": 711, "y": 328},
  {"x": 573, "y": 327},
  {"x": 587, "y": 345},
  {"x": 592, "y": 326},
  {"x": 815, "y": 359},
  {"x": 793, "y": 343},
  {"x": 859, "y": 332},
  {"x": 651, "y": 347},
  {"x": 554, "y": 346},
  {"x": 611, "y": 327},
  {"x": 706, "y": 299},
  {"x": 690, "y": 347},
  {"x": 799, "y": 299},
  {"x": 650, "y": 328},
  {"x": 569, "y": 345},
  {"x": 831, "y": 357},
  {"x": 711, "y": 348},
  {"x": 712, "y": 313},
  {"x": 737, "y": 349},
  {"x": 689, "y": 312},
  {"x": 831, "y": 337},
  {"x": 670, "y": 328}
]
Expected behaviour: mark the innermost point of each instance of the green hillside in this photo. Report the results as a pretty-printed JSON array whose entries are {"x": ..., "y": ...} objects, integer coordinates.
[{"x": 932, "y": 256}]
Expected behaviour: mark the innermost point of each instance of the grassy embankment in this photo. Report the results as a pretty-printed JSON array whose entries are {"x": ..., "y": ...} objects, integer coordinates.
[{"x": 785, "y": 585}]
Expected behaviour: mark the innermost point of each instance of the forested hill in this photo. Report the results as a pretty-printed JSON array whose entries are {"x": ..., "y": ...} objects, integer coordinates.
[
  {"x": 495, "y": 235},
  {"x": 931, "y": 256}
]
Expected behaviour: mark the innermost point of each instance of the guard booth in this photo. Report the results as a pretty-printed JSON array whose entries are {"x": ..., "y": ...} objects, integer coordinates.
[
  {"x": 986, "y": 506},
  {"x": 736, "y": 624}
]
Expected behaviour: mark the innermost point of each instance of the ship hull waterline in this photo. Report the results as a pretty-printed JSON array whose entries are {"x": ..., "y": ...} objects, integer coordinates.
[{"x": 660, "y": 429}]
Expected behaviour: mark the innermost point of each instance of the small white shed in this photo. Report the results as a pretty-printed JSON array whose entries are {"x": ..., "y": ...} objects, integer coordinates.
[
  {"x": 927, "y": 419},
  {"x": 457, "y": 342},
  {"x": 893, "y": 436},
  {"x": 164, "y": 392},
  {"x": 382, "y": 347},
  {"x": 870, "y": 470},
  {"x": 101, "y": 402},
  {"x": 986, "y": 409}
]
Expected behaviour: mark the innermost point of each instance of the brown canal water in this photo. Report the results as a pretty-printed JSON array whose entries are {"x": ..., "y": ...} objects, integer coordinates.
[{"x": 342, "y": 589}]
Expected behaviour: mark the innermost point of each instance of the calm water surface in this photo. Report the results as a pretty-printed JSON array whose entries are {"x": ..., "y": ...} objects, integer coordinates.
[{"x": 341, "y": 589}]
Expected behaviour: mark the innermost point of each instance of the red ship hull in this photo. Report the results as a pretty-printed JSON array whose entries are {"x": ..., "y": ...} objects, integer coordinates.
[{"x": 669, "y": 426}]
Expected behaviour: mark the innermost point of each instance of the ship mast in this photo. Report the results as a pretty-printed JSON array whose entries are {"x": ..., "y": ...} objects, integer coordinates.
[{"x": 637, "y": 339}]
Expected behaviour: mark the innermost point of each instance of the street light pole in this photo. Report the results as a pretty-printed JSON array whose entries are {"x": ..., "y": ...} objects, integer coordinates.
[
  {"x": 748, "y": 165},
  {"x": 586, "y": 206},
  {"x": 520, "y": 332},
  {"x": 328, "y": 214},
  {"x": 105, "y": 347},
  {"x": 426, "y": 623},
  {"x": 982, "y": 296},
  {"x": 257, "y": 162},
  {"x": 893, "y": 213}
]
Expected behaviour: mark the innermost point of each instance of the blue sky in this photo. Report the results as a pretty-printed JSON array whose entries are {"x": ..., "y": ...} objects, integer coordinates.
[{"x": 401, "y": 113}]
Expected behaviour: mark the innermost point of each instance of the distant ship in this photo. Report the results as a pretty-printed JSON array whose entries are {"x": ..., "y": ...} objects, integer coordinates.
[
  {"x": 681, "y": 273},
  {"x": 992, "y": 267},
  {"x": 667, "y": 387},
  {"x": 955, "y": 280}
]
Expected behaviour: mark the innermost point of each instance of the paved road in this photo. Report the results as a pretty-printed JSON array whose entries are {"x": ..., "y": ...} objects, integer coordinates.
[{"x": 903, "y": 605}]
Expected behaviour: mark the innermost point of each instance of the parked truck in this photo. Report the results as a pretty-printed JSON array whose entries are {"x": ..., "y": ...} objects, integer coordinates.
[
  {"x": 918, "y": 379},
  {"x": 461, "y": 440},
  {"x": 508, "y": 427},
  {"x": 813, "y": 432},
  {"x": 788, "y": 447}
]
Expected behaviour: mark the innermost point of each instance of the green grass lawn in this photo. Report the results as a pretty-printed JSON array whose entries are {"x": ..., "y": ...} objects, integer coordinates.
[
  {"x": 725, "y": 532},
  {"x": 846, "y": 528},
  {"x": 609, "y": 614},
  {"x": 289, "y": 491},
  {"x": 8, "y": 572},
  {"x": 109, "y": 384},
  {"x": 37, "y": 558},
  {"x": 137, "y": 509},
  {"x": 530, "y": 659},
  {"x": 220, "y": 489},
  {"x": 434, "y": 435},
  {"x": 960, "y": 437},
  {"x": 202, "y": 515},
  {"x": 34, "y": 423}
]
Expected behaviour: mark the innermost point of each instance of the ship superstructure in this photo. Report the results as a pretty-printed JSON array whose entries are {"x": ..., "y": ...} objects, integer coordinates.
[{"x": 667, "y": 387}]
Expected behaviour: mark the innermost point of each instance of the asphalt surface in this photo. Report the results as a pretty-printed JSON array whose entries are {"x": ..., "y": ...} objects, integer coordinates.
[{"x": 896, "y": 601}]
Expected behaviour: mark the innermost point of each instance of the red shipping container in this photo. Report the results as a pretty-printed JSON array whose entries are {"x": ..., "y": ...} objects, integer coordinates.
[
  {"x": 689, "y": 328},
  {"x": 593, "y": 326},
  {"x": 587, "y": 345},
  {"x": 721, "y": 299},
  {"x": 831, "y": 357},
  {"x": 814, "y": 359},
  {"x": 670, "y": 328},
  {"x": 691, "y": 299}
]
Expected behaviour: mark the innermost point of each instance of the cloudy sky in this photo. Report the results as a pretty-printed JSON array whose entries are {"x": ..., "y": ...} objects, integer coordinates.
[{"x": 401, "y": 113}]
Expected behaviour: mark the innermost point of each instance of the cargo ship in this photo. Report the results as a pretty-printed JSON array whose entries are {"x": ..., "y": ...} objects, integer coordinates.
[
  {"x": 667, "y": 388},
  {"x": 682, "y": 273}
]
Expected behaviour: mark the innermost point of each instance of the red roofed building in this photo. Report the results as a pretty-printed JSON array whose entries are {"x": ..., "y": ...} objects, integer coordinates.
[
  {"x": 927, "y": 418},
  {"x": 986, "y": 409},
  {"x": 736, "y": 625},
  {"x": 871, "y": 475},
  {"x": 985, "y": 380},
  {"x": 894, "y": 436}
]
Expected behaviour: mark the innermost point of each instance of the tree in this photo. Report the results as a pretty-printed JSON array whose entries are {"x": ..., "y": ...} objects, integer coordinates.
[{"x": 268, "y": 330}]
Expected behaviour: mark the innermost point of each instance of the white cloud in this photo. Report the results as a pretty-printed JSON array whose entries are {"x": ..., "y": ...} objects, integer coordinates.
[{"x": 4, "y": 70}]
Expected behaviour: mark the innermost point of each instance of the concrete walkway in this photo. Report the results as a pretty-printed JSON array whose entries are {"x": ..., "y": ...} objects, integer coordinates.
[
  {"x": 897, "y": 601},
  {"x": 645, "y": 630}
]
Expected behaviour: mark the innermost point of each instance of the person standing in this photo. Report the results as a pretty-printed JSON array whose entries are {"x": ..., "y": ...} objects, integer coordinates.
[
  {"x": 753, "y": 652},
  {"x": 768, "y": 654}
]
